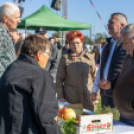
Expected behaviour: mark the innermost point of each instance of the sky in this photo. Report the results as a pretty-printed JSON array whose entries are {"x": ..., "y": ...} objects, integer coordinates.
[{"x": 82, "y": 11}]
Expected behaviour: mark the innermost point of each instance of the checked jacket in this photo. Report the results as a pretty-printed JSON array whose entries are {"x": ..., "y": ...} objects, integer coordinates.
[{"x": 7, "y": 52}]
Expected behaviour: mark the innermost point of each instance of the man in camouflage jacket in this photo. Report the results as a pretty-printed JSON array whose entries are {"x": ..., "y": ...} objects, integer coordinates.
[
  {"x": 7, "y": 52},
  {"x": 8, "y": 21}
]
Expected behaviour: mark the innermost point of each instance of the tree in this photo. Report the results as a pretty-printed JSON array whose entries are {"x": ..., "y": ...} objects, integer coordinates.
[
  {"x": 57, "y": 34},
  {"x": 99, "y": 37},
  {"x": 87, "y": 40}
]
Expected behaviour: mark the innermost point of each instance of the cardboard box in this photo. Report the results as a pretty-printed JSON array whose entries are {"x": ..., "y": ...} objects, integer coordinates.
[{"x": 91, "y": 124}]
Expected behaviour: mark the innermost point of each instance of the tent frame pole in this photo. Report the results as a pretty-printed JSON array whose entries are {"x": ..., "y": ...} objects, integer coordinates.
[
  {"x": 57, "y": 34},
  {"x": 62, "y": 38},
  {"x": 90, "y": 31},
  {"x": 25, "y": 30}
]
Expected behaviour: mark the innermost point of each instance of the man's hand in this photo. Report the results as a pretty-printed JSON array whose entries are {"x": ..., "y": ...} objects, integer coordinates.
[
  {"x": 62, "y": 100},
  {"x": 106, "y": 86},
  {"x": 93, "y": 97}
]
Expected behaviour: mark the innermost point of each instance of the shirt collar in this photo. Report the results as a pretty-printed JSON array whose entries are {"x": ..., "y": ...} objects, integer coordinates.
[
  {"x": 28, "y": 59},
  {"x": 113, "y": 41}
]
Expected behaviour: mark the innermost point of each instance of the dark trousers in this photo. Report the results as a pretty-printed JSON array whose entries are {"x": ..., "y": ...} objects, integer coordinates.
[
  {"x": 107, "y": 101},
  {"x": 127, "y": 121}
]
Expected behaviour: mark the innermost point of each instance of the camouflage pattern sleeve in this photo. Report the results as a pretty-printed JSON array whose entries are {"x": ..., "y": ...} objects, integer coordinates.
[{"x": 7, "y": 52}]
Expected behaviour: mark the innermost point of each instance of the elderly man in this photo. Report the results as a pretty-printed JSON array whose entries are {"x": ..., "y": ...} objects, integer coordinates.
[
  {"x": 14, "y": 35},
  {"x": 112, "y": 58},
  {"x": 28, "y": 103},
  {"x": 9, "y": 19},
  {"x": 124, "y": 88}
]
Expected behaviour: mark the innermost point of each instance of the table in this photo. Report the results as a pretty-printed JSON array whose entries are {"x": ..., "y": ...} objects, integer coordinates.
[{"x": 118, "y": 127}]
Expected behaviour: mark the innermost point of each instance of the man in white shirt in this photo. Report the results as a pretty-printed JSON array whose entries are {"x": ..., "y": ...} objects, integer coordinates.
[{"x": 112, "y": 58}]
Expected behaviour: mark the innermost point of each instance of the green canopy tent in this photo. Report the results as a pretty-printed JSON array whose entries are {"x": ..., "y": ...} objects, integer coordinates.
[{"x": 51, "y": 21}]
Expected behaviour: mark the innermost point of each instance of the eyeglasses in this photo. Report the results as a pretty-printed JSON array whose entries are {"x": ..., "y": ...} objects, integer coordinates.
[
  {"x": 73, "y": 43},
  {"x": 48, "y": 53}
]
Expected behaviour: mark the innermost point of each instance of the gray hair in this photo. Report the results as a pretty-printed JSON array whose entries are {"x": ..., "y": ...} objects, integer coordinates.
[
  {"x": 129, "y": 29},
  {"x": 121, "y": 17},
  {"x": 8, "y": 9}
]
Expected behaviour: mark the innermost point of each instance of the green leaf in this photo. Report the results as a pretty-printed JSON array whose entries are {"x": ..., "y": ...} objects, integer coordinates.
[
  {"x": 68, "y": 127},
  {"x": 106, "y": 110}
]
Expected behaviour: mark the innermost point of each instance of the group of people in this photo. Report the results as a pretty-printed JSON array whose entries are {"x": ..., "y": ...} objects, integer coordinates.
[
  {"x": 114, "y": 78},
  {"x": 28, "y": 102}
]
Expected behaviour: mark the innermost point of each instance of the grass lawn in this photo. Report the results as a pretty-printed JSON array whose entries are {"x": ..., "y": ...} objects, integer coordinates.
[{"x": 98, "y": 106}]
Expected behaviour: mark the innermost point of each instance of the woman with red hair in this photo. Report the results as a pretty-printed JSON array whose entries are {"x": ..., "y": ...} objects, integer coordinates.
[{"x": 76, "y": 73}]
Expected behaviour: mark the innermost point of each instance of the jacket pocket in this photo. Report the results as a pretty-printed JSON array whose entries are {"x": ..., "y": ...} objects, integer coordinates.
[{"x": 70, "y": 93}]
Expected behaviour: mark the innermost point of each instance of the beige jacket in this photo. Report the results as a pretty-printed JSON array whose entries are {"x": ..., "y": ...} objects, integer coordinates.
[{"x": 74, "y": 80}]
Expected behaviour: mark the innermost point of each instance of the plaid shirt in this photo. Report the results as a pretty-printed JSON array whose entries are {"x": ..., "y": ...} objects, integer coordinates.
[{"x": 7, "y": 52}]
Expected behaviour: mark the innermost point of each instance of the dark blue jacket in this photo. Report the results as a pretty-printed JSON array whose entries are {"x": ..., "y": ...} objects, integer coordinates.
[
  {"x": 28, "y": 102},
  {"x": 115, "y": 66}
]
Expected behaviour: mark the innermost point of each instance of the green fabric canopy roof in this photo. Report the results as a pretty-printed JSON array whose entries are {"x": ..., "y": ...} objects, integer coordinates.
[{"x": 51, "y": 21}]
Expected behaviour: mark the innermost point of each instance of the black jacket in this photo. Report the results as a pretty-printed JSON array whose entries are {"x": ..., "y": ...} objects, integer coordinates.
[
  {"x": 59, "y": 46},
  {"x": 115, "y": 66},
  {"x": 28, "y": 102}
]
